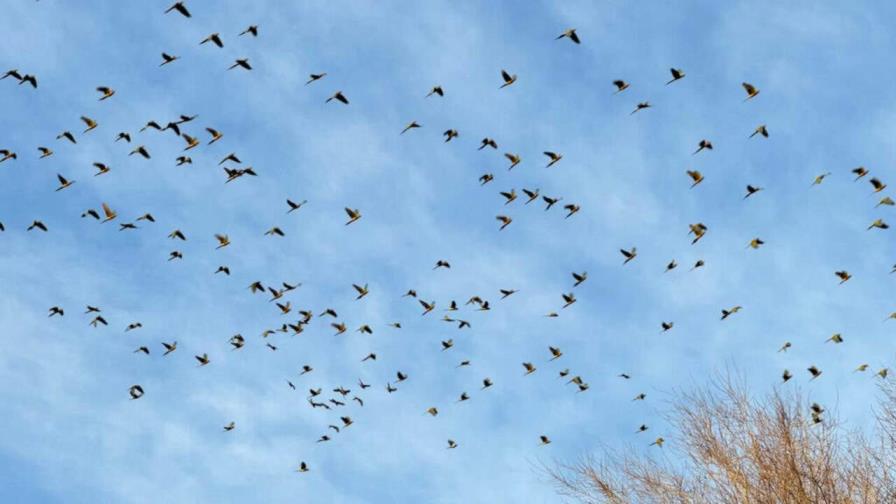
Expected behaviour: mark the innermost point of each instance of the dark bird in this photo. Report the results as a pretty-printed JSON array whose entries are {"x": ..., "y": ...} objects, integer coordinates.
[
  {"x": 179, "y": 7},
  {"x": 315, "y": 77},
  {"x": 508, "y": 79},
  {"x": 214, "y": 38},
  {"x": 168, "y": 58},
  {"x": 641, "y": 106},
  {"x": 338, "y": 96},
  {"x": 242, "y": 63},
  {"x": 677, "y": 74},
  {"x": 571, "y": 34}
]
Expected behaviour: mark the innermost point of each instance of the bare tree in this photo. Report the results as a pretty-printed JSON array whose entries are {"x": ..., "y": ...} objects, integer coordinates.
[{"x": 730, "y": 447}]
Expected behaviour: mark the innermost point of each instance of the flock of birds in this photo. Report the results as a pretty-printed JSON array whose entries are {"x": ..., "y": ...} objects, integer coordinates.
[{"x": 338, "y": 398}]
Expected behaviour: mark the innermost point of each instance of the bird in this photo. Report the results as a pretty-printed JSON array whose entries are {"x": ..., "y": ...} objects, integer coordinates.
[
  {"x": 293, "y": 206},
  {"x": 90, "y": 123},
  {"x": 488, "y": 142},
  {"x": 441, "y": 263},
  {"x": 621, "y": 85},
  {"x": 169, "y": 347},
  {"x": 751, "y": 190},
  {"x": 30, "y": 79},
  {"x": 553, "y": 157},
  {"x": 696, "y": 177},
  {"x": 229, "y": 427},
  {"x": 579, "y": 277},
  {"x": 63, "y": 182},
  {"x": 6, "y": 154},
  {"x": 843, "y": 275},
  {"x": 877, "y": 184},
  {"x": 449, "y": 134},
  {"x": 571, "y": 209},
  {"x": 216, "y": 135},
  {"x": 731, "y": 311},
  {"x": 168, "y": 58},
  {"x": 38, "y": 225},
  {"x": 677, "y": 74},
  {"x": 835, "y": 338},
  {"x": 755, "y": 243},
  {"x": 451, "y": 444},
  {"x": 106, "y": 92},
  {"x": 514, "y": 160},
  {"x": 14, "y": 73},
  {"x": 339, "y": 97},
  {"x": 303, "y": 467},
  {"x": 571, "y": 35},
  {"x": 703, "y": 144},
  {"x": 760, "y": 130},
  {"x": 814, "y": 371},
  {"x": 698, "y": 230},
  {"x": 820, "y": 178},
  {"x": 140, "y": 150},
  {"x": 66, "y": 135},
  {"x": 214, "y": 38},
  {"x": 505, "y": 221},
  {"x": 533, "y": 195},
  {"x": 544, "y": 440},
  {"x": 427, "y": 307},
  {"x": 529, "y": 367},
  {"x": 191, "y": 141},
  {"x": 412, "y": 125},
  {"x": 136, "y": 391},
  {"x": 362, "y": 291},
  {"x": 353, "y": 215},
  {"x": 203, "y": 359},
  {"x": 860, "y": 172},
  {"x": 667, "y": 325},
  {"x": 241, "y": 63},
  {"x": 251, "y": 30},
  {"x": 629, "y": 254},
  {"x": 658, "y": 442},
  {"x": 509, "y": 196},
  {"x": 879, "y": 224},
  {"x": 785, "y": 376},
  {"x": 555, "y": 352},
  {"x": 641, "y": 106},
  {"x": 751, "y": 90},
  {"x": 569, "y": 299},
  {"x": 315, "y": 77},
  {"x": 180, "y": 8},
  {"x": 223, "y": 240},
  {"x": 55, "y": 310},
  {"x": 436, "y": 90},
  {"x": 508, "y": 79},
  {"x": 550, "y": 202}
]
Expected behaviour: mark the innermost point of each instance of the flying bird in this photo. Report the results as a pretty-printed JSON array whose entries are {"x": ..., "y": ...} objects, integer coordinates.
[
  {"x": 180, "y": 8},
  {"x": 571, "y": 35}
]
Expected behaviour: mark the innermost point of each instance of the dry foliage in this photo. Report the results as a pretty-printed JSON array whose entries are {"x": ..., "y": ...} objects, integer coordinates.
[{"x": 732, "y": 448}]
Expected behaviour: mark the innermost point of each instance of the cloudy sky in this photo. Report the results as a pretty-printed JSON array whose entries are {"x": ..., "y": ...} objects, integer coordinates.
[{"x": 70, "y": 432}]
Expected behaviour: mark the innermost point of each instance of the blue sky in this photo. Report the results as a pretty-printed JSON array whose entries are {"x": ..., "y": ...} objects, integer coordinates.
[{"x": 71, "y": 434}]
